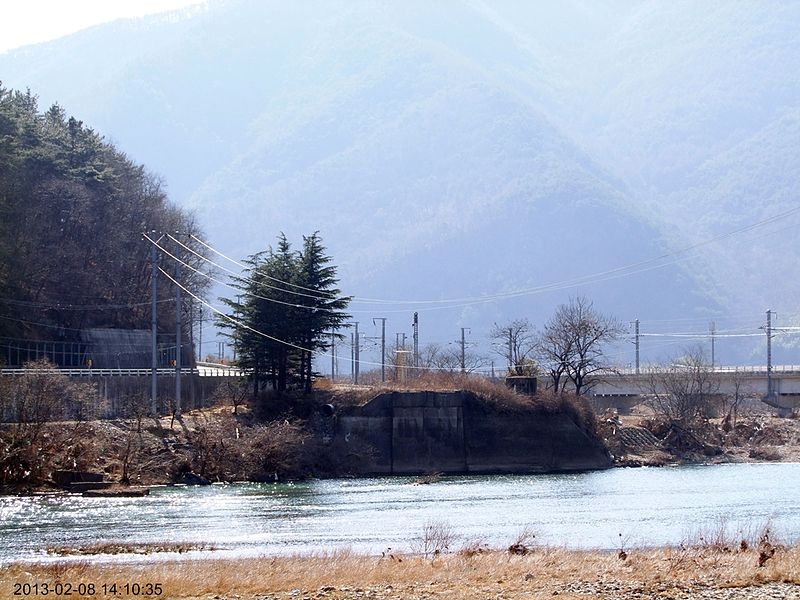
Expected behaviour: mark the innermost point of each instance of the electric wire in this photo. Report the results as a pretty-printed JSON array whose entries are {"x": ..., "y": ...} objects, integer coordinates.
[
  {"x": 238, "y": 323},
  {"x": 242, "y": 292},
  {"x": 60, "y": 327},
  {"x": 633, "y": 268},
  {"x": 320, "y": 295},
  {"x": 59, "y": 306}
]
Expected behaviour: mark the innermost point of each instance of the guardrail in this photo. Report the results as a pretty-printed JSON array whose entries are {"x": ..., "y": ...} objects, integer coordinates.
[
  {"x": 202, "y": 371},
  {"x": 758, "y": 370}
]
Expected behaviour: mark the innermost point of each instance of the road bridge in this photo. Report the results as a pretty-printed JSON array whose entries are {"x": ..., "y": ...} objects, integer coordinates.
[{"x": 626, "y": 388}]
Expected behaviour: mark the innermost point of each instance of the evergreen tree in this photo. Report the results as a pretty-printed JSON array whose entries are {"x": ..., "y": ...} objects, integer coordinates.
[
  {"x": 325, "y": 309},
  {"x": 289, "y": 303}
]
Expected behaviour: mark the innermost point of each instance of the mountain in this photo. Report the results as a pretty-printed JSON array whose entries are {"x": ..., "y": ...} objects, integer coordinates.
[{"x": 467, "y": 149}]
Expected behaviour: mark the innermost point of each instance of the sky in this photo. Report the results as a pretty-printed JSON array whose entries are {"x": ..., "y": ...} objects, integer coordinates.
[{"x": 24, "y": 22}]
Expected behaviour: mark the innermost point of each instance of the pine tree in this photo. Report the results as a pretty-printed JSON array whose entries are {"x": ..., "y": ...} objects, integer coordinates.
[{"x": 289, "y": 303}]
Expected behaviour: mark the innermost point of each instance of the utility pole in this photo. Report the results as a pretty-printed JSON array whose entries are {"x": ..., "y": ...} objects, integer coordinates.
[
  {"x": 397, "y": 340},
  {"x": 510, "y": 351},
  {"x": 352, "y": 358},
  {"x": 636, "y": 325},
  {"x": 415, "y": 324},
  {"x": 333, "y": 356},
  {"x": 769, "y": 354},
  {"x": 238, "y": 317},
  {"x": 200, "y": 338},
  {"x": 191, "y": 326},
  {"x": 177, "y": 339},
  {"x": 154, "y": 330},
  {"x": 463, "y": 349},
  {"x": 383, "y": 345},
  {"x": 712, "y": 330},
  {"x": 356, "y": 357}
]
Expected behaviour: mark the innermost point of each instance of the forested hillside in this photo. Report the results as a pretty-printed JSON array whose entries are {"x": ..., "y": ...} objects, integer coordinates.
[{"x": 73, "y": 209}]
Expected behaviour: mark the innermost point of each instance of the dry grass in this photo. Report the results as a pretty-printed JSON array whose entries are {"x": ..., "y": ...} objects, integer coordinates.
[
  {"x": 537, "y": 574},
  {"x": 495, "y": 396},
  {"x": 491, "y": 391}
]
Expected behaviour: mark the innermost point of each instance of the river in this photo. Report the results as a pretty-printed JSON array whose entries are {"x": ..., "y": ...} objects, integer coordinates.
[{"x": 601, "y": 509}]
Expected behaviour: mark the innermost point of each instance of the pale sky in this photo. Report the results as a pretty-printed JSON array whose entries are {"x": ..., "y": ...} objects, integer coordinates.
[{"x": 24, "y": 22}]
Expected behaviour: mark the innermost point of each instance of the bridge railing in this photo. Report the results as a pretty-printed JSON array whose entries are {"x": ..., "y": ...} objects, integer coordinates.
[
  {"x": 747, "y": 369},
  {"x": 202, "y": 371}
]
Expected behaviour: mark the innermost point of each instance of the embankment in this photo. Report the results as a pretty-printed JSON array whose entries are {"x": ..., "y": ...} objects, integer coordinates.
[
  {"x": 458, "y": 432},
  {"x": 322, "y": 435}
]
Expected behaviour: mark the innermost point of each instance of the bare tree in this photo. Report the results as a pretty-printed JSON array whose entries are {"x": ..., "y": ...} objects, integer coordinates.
[
  {"x": 516, "y": 343},
  {"x": 732, "y": 402},
  {"x": 474, "y": 361},
  {"x": 436, "y": 357},
  {"x": 554, "y": 351},
  {"x": 31, "y": 442},
  {"x": 572, "y": 344},
  {"x": 684, "y": 391},
  {"x": 235, "y": 392}
]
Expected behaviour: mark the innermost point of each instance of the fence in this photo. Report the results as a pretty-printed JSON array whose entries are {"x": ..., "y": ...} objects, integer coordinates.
[{"x": 121, "y": 392}]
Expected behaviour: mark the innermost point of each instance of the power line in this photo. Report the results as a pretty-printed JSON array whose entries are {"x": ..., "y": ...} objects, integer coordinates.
[
  {"x": 622, "y": 271},
  {"x": 60, "y": 327},
  {"x": 59, "y": 306},
  {"x": 242, "y": 292},
  {"x": 243, "y": 266},
  {"x": 275, "y": 339}
]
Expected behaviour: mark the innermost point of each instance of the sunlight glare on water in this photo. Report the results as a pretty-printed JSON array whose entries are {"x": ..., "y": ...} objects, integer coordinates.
[{"x": 597, "y": 509}]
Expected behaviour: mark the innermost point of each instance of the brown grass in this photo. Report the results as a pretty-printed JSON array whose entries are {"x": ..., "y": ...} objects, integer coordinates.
[
  {"x": 495, "y": 396},
  {"x": 537, "y": 574},
  {"x": 491, "y": 391}
]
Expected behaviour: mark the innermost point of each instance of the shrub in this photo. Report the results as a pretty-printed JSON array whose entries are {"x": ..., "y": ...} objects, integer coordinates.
[
  {"x": 524, "y": 542},
  {"x": 437, "y": 538},
  {"x": 232, "y": 392},
  {"x": 30, "y": 445}
]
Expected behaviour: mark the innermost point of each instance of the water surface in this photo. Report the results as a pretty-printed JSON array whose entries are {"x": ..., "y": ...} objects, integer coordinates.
[{"x": 650, "y": 506}]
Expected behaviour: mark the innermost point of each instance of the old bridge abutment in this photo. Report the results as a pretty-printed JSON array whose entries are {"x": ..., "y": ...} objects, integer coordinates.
[{"x": 457, "y": 432}]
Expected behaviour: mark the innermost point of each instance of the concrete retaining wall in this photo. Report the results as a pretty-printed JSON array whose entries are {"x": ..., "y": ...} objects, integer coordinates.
[{"x": 454, "y": 432}]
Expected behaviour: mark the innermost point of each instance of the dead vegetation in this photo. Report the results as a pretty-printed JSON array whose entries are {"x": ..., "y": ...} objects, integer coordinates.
[
  {"x": 30, "y": 446},
  {"x": 756, "y": 435},
  {"x": 494, "y": 396},
  {"x": 473, "y": 572},
  {"x": 437, "y": 538},
  {"x": 112, "y": 548}
]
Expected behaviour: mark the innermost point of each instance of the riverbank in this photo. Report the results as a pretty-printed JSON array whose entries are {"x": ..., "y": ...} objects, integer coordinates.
[
  {"x": 758, "y": 437},
  {"x": 331, "y": 433},
  {"x": 714, "y": 570},
  {"x": 294, "y": 437}
]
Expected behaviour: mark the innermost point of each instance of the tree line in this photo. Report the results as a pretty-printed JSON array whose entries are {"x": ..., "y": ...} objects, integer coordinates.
[{"x": 72, "y": 212}]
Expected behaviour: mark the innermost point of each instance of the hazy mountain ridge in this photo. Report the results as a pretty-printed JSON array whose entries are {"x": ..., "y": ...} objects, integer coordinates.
[
  {"x": 429, "y": 143},
  {"x": 679, "y": 83}
]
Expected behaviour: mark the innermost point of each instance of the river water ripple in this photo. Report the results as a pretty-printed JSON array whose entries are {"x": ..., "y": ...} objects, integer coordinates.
[{"x": 645, "y": 507}]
